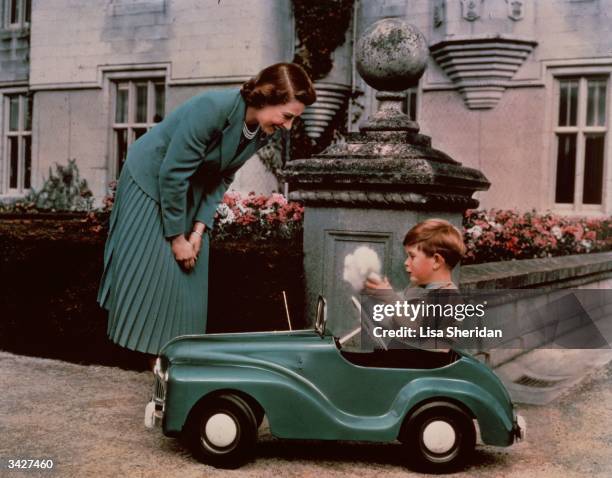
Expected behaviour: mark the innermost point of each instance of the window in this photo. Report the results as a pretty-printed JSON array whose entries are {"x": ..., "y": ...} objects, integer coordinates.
[
  {"x": 139, "y": 104},
  {"x": 409, "y": 106},
  {"x": 17, "y": 13},
  {"x": 580, "y": 133},
  {"x": 17, "y": 143}
]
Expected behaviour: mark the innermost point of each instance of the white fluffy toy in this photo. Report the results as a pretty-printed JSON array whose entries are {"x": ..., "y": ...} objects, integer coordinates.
[{"x": 362, "y": 264}]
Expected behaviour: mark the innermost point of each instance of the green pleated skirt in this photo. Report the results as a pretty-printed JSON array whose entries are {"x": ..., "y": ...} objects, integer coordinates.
[{"x": 150, "y": 299}]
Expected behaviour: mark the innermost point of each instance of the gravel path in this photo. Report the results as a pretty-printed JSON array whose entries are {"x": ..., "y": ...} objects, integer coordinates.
[{"x": 89, "y": 420}]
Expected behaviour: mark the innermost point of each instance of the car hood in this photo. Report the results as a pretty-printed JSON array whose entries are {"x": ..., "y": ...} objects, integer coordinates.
[{"x": 198, "y": 348}]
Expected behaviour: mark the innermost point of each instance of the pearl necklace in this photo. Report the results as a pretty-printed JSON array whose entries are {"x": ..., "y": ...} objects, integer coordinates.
[{"x": 247, "y": 133}]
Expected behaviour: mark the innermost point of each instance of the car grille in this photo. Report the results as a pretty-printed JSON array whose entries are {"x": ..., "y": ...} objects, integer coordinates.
[{"x": 159, "y": 391}]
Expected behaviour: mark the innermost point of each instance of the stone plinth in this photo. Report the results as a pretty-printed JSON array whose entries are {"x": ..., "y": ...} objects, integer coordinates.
[{"x": 370, "y": 189}]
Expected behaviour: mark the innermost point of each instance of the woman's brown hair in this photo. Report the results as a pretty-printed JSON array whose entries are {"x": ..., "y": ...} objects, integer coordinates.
[{"x": 279, "y": 84}]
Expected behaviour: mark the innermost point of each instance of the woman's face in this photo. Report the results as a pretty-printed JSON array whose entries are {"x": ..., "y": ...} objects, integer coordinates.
[{"x": 273, "y": 117}]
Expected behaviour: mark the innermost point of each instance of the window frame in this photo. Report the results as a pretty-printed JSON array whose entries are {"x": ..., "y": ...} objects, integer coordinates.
[
  {"x": 113, "y": 80},
  {"x": 582, "y": 72},
  {"x": 413, "y": 98},
  {"x": 22, "y": 21},
  {"x": 5, "y": 166}
]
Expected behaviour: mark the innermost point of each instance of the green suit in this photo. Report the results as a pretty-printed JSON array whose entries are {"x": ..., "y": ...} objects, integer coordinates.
[
  {"x": 187, "y": 161},
  {"x": 174, "y": 175}
]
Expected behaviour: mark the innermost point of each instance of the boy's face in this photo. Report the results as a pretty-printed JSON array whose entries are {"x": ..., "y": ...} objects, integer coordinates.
[{"x": 420, "y": 266}]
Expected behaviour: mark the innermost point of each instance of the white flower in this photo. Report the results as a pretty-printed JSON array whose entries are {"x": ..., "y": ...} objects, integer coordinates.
[
  {"x": 475, "y": 231},
  {"x": 229, "y": 218},
  {"x": 586, "y": 244},
  {"x": 223, "y": 209},
  {"x": 557, "y": 232},
  {"x": 266, "y": 211},
  {"x": 226, "y": 214},
  {"x": 496, "y": 225},
  {"x": 244, "y": 209}
]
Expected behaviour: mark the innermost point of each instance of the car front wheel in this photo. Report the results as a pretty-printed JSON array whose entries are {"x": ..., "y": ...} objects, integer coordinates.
[
  {"x": 222, "y": 432},
  {"x": 439, "y": 437}
]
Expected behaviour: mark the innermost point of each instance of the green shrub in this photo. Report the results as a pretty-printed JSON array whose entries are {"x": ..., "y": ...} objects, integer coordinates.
[{"x": 63, "y": 190}]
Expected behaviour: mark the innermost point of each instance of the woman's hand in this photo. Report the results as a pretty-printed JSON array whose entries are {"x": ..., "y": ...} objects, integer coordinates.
[
  {"x": 184, "y": 252},
  {"x": 196, "y": 242},
  {"x": 195, "y": 238}
]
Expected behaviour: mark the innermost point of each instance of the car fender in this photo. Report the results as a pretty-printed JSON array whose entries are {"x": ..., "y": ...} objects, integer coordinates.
[{"x": 494, "y": 420}]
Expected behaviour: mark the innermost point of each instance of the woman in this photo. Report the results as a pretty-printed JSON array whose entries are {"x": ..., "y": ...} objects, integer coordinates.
[{"x": 155, "y": 281}]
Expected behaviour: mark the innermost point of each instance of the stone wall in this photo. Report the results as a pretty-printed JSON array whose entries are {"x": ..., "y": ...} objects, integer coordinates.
[
  {"x": 73, "y": 45},
  {"x": 71, "y": 125},
  {"x": 72, "y": 41},
  {"x": 547, "y": 280},
  {"x": 76, "y": 124},
  {"x": 196, "y": 45},
  {"x": 512, "y": 143}
]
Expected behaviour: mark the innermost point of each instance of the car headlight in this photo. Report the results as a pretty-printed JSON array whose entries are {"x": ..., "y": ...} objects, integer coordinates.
[
  {"x": 160, "y": 371},
  {"x": 157, "y": 367}
]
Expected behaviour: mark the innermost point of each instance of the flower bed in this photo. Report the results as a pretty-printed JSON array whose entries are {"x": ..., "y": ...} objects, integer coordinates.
[
  {"x": 258, "y": 217},
  {"x": 490, "y": 236},
  {"x": 502, "y": 235}
]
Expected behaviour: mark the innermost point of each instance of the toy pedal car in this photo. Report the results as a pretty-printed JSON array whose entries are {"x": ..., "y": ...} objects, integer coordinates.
[{"x": 215, "y": 390}]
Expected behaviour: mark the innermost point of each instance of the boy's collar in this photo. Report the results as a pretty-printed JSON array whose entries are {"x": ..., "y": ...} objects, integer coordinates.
[{"x": 438, "y": 285}]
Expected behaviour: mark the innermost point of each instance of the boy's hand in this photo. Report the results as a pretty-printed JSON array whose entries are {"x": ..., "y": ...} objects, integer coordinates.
[{"x": 373, "y": 282}]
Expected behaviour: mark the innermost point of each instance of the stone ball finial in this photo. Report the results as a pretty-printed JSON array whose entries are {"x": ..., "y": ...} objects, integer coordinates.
[{"x": 391, "y": 55}]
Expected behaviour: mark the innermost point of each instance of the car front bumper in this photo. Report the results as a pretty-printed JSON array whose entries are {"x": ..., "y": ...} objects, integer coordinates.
[
  {"x": 154, "y": 410},
  {"x": 519, "y": 429}
]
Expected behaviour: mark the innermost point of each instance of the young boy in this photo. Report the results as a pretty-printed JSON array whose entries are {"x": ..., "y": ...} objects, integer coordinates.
[{"x": 433, "y": 248}]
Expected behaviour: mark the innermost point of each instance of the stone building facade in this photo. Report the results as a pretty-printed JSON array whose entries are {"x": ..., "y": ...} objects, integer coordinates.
[
  {"x": 102, "y": 73},
  {"x": 521, "y": 91},
  {"x": 517, "y": 89}
]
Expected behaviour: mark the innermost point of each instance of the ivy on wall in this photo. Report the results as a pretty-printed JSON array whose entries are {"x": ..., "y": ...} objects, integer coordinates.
[{"x": 321, "y": 28}]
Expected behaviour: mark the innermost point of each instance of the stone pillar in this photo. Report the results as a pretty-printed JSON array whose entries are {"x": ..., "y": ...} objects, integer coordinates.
[{"x": 372, "y": 188}]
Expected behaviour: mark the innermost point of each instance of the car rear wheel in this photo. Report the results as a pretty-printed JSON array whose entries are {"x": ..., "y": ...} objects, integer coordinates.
[
  {"x": 439, "y": 437},
  {"x": 222, "y": 431}
]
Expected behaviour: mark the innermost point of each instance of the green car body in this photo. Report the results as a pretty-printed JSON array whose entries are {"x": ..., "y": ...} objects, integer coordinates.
[{"x": 309, "y": 388}]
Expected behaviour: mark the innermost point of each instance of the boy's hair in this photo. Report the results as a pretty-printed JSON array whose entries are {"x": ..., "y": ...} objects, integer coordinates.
[{"x": 437, "y": 236}]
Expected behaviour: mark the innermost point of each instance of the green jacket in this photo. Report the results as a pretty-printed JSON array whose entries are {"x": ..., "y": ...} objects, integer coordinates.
[{"x": 187, "y": 162}]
